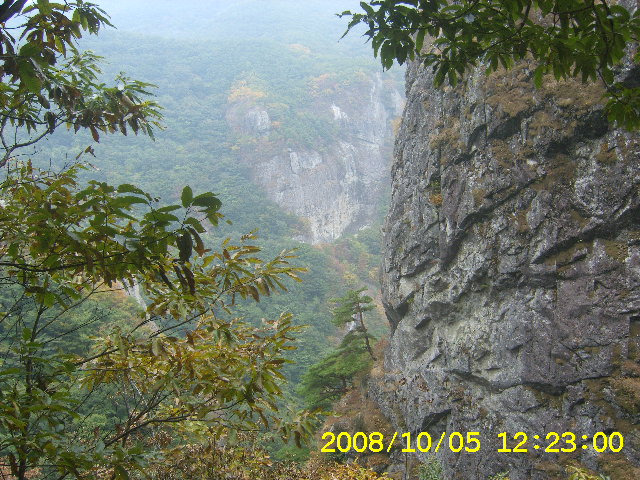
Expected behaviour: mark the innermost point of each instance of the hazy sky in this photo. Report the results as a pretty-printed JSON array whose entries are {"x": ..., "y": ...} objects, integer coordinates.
[{"x": 229, "y": 18}]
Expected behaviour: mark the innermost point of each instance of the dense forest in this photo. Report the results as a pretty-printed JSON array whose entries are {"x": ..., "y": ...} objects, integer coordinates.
[
  {"x": 198, "y": 70},
  {"x": 195, "y": 65}
]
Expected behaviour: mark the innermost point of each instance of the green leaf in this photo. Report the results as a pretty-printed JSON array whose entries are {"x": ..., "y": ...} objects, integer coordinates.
[
  {"x": 420, "y": 39},
  {"x": 26, "y": 334},
  {"x": 388, "y": 54},
  {"x": 168, "y": 208},
  {"x": 155, "y": 346},
  {"x": 207, "y": 199},
  {"x": 187, "y": 196},
  {"x": 121, "y": 473},
  {"x": 196, "y": 224},
  {"x": 128, "y": 188},
  {"x": 213, "y": 218},
  {"x": 29, "y": 78},
  {"x": 49, "y": 300},
  {"x": 160, "y": 217},
  {"x": 537, "y": 76},
  {"x": 185, "y": 246},
  {"x": 367, "y": 8},
  {"x": 30, "y": 50},
  {"x": 120, "y": 344},
  {"x": 45, "y": 7},
  {"x": 440, "y": 75}
]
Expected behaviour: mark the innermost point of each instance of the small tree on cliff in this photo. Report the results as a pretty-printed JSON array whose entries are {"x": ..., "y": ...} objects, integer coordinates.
[
  {"x": 351, "y": 308},
  {"x": 330, "y": 378}
]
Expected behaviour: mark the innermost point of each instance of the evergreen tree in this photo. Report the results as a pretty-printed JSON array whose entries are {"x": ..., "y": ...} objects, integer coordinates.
[
  {"x": 351, "y": 308},
  {"x": 330, "y": 378}
]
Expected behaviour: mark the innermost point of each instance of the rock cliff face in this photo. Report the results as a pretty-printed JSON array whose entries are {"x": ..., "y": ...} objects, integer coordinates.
[
  {"x": 335, "y": 184},
  {"x": 511, "y": 276}
]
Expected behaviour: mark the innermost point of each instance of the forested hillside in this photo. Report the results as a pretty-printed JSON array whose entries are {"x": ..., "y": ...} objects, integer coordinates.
[
  {"x": 206, "y": 60},
  {"x": 131, "y": 308}
]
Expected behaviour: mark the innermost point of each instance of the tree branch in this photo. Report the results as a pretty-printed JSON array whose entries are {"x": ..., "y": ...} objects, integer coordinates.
[{"x": 9, "y": 9}]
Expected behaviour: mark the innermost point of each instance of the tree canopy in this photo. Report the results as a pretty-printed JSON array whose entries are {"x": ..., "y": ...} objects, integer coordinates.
[
  {"x": 331, "y": 377},
  {"x": 90, "y": 385},
  {"x": 185, "y": 359},
  {"x": 566, "y": 38},
  {"x": 81, "y": 395},
  {"x": 48, "y": 82}
]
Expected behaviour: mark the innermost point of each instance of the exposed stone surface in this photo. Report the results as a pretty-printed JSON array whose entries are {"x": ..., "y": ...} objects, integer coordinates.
[
  {"x": 512, "y": 273},
  {"x": 335, "y": 187},
  {"x": 257, "y": 122}
]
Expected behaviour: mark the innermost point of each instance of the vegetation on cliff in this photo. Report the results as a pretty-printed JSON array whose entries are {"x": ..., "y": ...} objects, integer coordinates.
[
  {"x": 333, "y": 376},
  {"x": 566, "y": 38}
]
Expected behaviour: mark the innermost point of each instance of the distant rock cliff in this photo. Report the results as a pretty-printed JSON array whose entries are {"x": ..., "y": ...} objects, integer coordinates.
[
  {"x": 512, "y": 274},
  {"x": 335, "y": 183}
]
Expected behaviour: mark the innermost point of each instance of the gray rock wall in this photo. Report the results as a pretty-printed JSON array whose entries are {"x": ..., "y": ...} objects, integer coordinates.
[
  {"x": 511, "y": 275},
  {"x": 336, "y": 187}
]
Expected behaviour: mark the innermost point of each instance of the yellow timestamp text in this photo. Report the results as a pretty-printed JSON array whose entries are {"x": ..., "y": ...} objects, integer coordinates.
[
  {"x": 471, "y": 442},
  {"x": 566, "y": 442},
  {"x": 423, "y": 442}
]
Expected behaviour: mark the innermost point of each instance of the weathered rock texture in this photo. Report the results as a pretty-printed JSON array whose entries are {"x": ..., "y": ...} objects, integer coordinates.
[
  {"x": 512, "y": 273},
  {"x": 337, "y": 185}
]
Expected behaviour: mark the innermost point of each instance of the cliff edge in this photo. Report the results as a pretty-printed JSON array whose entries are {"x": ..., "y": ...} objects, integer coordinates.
[{"x": 511, "y": 275}]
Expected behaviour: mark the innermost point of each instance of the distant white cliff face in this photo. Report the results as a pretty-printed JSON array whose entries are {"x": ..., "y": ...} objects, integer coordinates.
[
  {"x": 335, "y": 187},
  {"x": 338, "y": 114},
  {"x": 257, "y": 121}
]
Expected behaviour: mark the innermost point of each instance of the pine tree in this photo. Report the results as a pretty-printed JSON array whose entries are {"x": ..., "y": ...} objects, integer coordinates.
[{"x": 351, "y": 308}]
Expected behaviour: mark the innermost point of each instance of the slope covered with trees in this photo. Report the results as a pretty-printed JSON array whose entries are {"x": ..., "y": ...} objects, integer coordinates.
[
  {"x": 82, "y": 394},
  {"x": 91, "y": 385},
  {"x": 511, "y": 241},
  {"x": 200, "y": 63}
]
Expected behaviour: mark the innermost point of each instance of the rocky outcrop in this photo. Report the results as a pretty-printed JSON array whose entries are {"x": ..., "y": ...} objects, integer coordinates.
[
  {"x": 256, "y": 122},
  {"x": 511, "y": 275},
  {"x": 335, "y": 183}
]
